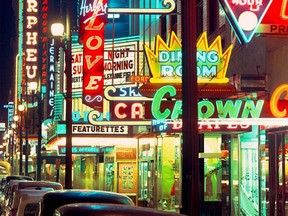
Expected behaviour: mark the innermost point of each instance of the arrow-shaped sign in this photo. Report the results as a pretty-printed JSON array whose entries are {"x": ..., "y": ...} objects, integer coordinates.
[
  {"x": 245, "y": 16},
  {"x": 170, "y": 3}
]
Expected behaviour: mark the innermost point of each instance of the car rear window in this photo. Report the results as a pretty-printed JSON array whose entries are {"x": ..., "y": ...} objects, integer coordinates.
[{"x": 31, "y": 209}]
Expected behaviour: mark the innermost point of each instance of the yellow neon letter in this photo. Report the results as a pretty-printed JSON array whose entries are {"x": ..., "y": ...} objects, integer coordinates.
[{"x": 275, "y": 98}]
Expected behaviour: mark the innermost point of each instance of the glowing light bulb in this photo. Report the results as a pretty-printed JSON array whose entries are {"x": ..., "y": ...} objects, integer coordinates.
[{"x": 248, "y": 21}]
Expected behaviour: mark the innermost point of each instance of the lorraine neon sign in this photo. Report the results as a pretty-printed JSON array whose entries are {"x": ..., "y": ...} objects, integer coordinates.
[
  {"x": 245, "y": 16},
  {"x": 165, "y": 62},
  {"x": 93, "y": 17}
]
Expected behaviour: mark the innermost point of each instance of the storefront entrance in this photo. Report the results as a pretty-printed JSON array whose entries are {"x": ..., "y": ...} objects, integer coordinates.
[{"x": 277, "y": 181}]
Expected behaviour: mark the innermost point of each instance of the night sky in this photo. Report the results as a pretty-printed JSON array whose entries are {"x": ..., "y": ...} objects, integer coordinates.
[{"x": 8, "y": 51}]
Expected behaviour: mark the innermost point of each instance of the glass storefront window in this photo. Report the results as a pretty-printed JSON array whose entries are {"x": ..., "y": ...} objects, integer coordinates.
[{"x": 249, "y": 173}]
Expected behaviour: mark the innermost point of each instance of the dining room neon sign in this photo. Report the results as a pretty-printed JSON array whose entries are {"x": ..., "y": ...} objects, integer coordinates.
[{"x": 165, "y": 62}]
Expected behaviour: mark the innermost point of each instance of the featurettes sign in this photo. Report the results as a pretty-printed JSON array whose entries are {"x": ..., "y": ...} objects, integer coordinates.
[
  {"x": 30, "y": 43},
  {"x": 93, "y": 17},
  {"x": 165, "y": 62}
]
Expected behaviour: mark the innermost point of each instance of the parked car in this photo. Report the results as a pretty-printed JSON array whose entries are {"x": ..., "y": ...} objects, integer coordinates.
[
  {"x": 8, "y": 185},
  {"x": 5, "y": 169},
  {"x": 7, "y": 179},
  {"x": 36, "y": 184},
  {"x": 14, "y": 201},
  {"x": 28, "y": 187},
  {"x": 104, "y": 209},
  {"x": 28, "y": 204},
  {"x": 54, "y": 199},
  {"x": 8, "y": 192}
]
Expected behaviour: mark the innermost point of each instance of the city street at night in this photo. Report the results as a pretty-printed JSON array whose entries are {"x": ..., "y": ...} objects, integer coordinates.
[{"x": 143, "y": 107}]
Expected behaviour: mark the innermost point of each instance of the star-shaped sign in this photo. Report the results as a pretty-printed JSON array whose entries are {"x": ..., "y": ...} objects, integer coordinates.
[{"x": 245, "y": 16}]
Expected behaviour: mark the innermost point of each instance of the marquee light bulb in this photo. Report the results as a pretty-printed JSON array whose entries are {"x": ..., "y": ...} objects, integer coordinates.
[{"x": 248, "y": 21}]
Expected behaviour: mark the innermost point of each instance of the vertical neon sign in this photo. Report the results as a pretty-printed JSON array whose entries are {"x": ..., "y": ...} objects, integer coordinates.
[
  {"x": 93, "y": 17},
  {"x": 30, "y": 42}
]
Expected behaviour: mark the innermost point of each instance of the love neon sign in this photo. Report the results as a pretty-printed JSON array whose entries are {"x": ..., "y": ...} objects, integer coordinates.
[{"x": 93, "y": 17}]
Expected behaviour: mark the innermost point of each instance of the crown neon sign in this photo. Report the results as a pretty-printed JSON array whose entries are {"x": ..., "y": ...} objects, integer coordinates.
[{"x": 165, "y": 62}]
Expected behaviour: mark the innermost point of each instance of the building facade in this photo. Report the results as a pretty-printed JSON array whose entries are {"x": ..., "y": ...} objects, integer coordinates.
[{"x": 132, "y": 145}]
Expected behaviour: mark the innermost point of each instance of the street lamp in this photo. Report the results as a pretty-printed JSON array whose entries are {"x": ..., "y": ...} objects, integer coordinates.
[
  {"x": 57, "y": 29},
  {"x": 21, "y": 109}
]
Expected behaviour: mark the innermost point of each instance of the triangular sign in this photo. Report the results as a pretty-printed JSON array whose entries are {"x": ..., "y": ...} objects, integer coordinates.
[{"x": 245, "y": 16}]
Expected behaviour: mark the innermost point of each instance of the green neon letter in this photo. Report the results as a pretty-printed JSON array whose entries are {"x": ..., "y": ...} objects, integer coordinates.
[
  {"x": 250, "y": 108},
  {"x": 156, "y": 103},
  {"x": 177, "y": 110},
  {"x": 228, "y": 109},
  {"x": 205, "y": 109}
]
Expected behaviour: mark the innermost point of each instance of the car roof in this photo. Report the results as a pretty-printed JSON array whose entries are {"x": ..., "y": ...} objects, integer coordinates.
[
  {"x": 54, "y": 185},
  {"x": 14, "y": 177},
  {"x": 48, "y": 204},
  {"x": 104, "y": 209}
]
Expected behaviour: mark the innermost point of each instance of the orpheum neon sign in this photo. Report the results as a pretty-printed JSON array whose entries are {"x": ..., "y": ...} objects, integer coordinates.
[
  {"x": 93, "y": 17},
  {"x": 30, "y": 42}
]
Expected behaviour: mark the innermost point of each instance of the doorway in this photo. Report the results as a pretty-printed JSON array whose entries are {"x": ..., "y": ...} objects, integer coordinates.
[{"x": 278, "y": 171}]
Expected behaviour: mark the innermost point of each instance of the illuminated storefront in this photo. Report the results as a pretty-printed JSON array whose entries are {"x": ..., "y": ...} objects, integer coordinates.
[{"x": 132, "y": 144}]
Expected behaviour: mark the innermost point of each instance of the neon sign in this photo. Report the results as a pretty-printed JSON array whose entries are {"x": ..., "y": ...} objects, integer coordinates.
[
  {"x": 206, "y": 108},
  {"x": 51, "y": 79},
  {"x": 91, "y": 33},
  {"x": 77, "y": 70},
  {"x": 275, "y": 20},
  {"x": 119, "y": 62},
  {"x": 124, "y": 104},
  {"x": 176, "y": 126},
  {"x": 30, "y": 43},
  {"x": 245, "y": 16},
  {"x": 276, "y": 110},
  {"x": 43, "y": 40},
  {"x": 165, "y": 62}
]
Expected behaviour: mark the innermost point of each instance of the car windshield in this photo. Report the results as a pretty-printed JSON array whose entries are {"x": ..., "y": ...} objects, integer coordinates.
[{"x": 31, "y": 209}]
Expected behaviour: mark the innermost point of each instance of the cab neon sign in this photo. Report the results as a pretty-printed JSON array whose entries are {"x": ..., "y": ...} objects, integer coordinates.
[
  {"x": 165, "y": 62},
  {"x": 245, "y": 16}
]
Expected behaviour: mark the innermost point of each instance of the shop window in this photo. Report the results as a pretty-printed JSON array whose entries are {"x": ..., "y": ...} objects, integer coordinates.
[{"x": 212, "y": 168}]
